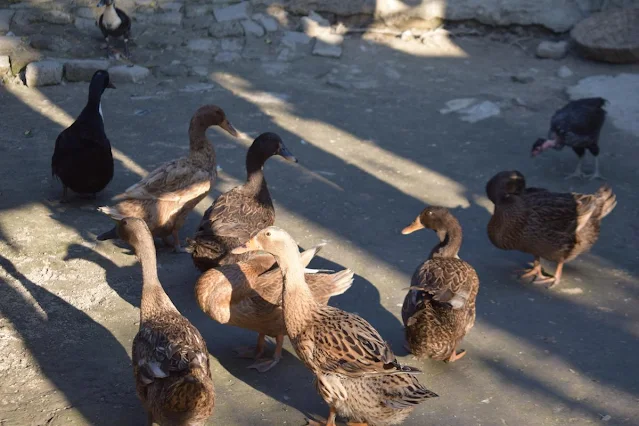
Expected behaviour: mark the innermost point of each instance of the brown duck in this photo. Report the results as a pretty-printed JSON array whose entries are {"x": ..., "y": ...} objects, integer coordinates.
[
  {"x": 166, "y": 196},
  {"x": 554, "y": 226},
  {"x": 170, "y": 358},
  {"x": 439, "y": 309},
  {"x": 248, "y": 294},
  {"x": 240, "y": 212},
  {"x": 357, "y": 373}
]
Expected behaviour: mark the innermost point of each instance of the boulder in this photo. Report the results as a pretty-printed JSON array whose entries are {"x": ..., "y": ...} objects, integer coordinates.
[{"x": 43, "y": 73}]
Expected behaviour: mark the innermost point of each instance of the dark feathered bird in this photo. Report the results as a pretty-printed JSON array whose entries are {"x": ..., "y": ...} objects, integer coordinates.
[
  {"x": 114, "y": 23},
  {"x": 82, "y": 157},
  {"x": 239, "y": 213},
  {"x": 578, "y": 126},
  {"x": 556, "y": 226}
]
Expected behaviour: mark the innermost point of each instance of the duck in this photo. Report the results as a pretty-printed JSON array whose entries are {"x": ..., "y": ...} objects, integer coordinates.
[
  {"x": 356, "y": 372},
  {"x": 549, "y": 225},
  {"x": 169, "y": 355},
  {"x": 237, "y": 214},
  {"x": 439, "y": 309},
  {"x": 114, "y": 23},
  {"x": 248, "y": 294},
  {"x": 577, "y": 125},
  {"x": 166, "y": 196},
  {"x": 82, "y": 157}
]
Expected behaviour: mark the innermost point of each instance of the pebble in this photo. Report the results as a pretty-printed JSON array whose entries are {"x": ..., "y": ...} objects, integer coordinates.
[
  {"x": 5, "y": 19},
  {"x": 523, "y": 77},
  {"x": 253, "y": 28},
  {"x": 127, "y": 74},
  {"x": 328, "y": 45},
  {"x": 43, "y": 73},
  {"x": 269, "y": 23},
  {"x": 564, "y": 72},
  {"x": 5, "y": 64},
  {"x": 83, "y": 69},
  {"x": 232, "y": 13},
  {"x": 552, "y": 50},
  {"x": 226, "y": 29}
]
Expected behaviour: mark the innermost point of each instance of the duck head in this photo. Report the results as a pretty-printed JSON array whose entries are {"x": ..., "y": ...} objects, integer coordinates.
[
  {"x": 212, "y": 115},
  {"x": 101, "y": 81},
  {"x": 542, "y": 145},
  {"x": 432, "y": 217},
  {"x": 265, "y": 146},
  {"x": 103, "y": 3},
  {"x": 505, "y": 184},
  {"x": 273, "y": 240}
]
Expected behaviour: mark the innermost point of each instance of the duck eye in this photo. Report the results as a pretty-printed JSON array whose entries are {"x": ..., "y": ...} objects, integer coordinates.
[{"x": 268, "y": 234}]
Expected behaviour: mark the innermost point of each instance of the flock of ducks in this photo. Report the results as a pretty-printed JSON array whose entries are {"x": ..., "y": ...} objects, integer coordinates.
[{"x": 255, "y": 277}]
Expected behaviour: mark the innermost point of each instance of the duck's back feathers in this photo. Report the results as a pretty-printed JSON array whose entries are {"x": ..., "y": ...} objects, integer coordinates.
[{"x": 579, "y": 123}]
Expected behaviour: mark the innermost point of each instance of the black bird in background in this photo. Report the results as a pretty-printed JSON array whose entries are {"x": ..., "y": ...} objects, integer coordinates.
[
  {"x": 82, "y": 158},
  {"x": 114, "y": 23},
  {"x": 576, "y": 125}
]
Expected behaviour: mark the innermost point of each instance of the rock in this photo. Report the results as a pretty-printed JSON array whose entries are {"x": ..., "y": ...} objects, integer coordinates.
[
  {"x": 199, "y": 71},
  {"x": 57, "y": 17},
  {"x": 232, "y": 44},
  {"x": 253, "y": 28},
  {"x": 87, "y": 26},
  {"x": 83, "y": 69},
  {"x": 227, "y": 57},
  {"x": 171, "y": 7},
  {"x": 552, "y": 50},
  {"x": 226, "y": 29},
  {"x": 201, "y": 45},
  {"x": 195, "y": 10},
  {"x": 338, "y": 7},
  {"x": 174, "y": 70},
  {"x": 329, "y": 45},
  {"x": 523, "y": 77},
  {"x": 292, "y": 38},
  {"x": 127, "y": 74},
  {"x": 168, "y": 18},
  {"x": 43, "y": 73},
  {"x": 10, "y": 44},
  {"x": 232, "y": 13},
  {"x": 407, "y": 35},
  {"x": 198, "y": 23},
  {"x": 312, "y": 28},
  {"x": 5, "y": 20},
  {"x": 23, "y": 57},
  {"x": 49, "y": 42},
  {"x": 564, "y": 72},
  {"x": 24, "y": 19},
  {"x": 319, "y": 19},
  {"x": 86, "y": 13},
  {"x": 457, "y": 105},
  {"x": 269, "y": 23},
  {"x": 5, "y": 65}
]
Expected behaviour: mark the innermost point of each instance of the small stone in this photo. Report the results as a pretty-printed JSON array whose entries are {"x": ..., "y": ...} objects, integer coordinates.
[
  {"x": 57, "y": 17},
  {"x": 227, "y": 57},
  {"x": 329, "y": 45},
  {"x": 179, "y": 70},
  {"x": 23, "y": 57},
  {"x": 523, "y": 77},
  {"x": 171, "y": 7},
  {"x": 293, "y": 38},
  {"x": 49, "y": 42},
  {"x": 407, "y": 35},
  {"x": 168, "y": 18},
  {"x": 253, "y": 28},
  {"x": 201, "y": 45},
  {"x": 5, "y": 20},
  {"x": 127, "y": 74},
  {"x": 199, "y": 70},
  {"x": 43, "y": 73},
  {"x": 232, "y": 13},
  {"x": 232, "y": 44},
  {"x": 226, "y": 29},
  {"x": 85, "y": 12},
  {"x": 9, "y": 44},
  {"x": 564, "y": 72},
  {"x": 87, "y": 26},
  {"x": 83, "y": 69},
  {"x": 195, "y": 10},
  {"x": 312, "y": 28},
  {"x": 5, "y": 65},
  {"x": 269, "y": 24},
  {"x": 552, "y": 50}
]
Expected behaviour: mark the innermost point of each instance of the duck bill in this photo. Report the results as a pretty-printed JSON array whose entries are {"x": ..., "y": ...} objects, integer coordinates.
[
  {"x": 110, "y": 85},
  {"x": 101, "y": 3},
  {"x": 415, "y": 226},
  {"x": 250, "y": 245},
  {"x": 226, "y": 125},
  {"x": 288, "y": 155}
]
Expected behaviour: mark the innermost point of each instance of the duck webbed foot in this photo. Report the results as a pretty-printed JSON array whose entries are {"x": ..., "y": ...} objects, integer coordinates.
[
  {"x": 552, "y": 281},
  {"x": 454, "y": 356},
  {"x": 252, "y": 352},
  {"x": 263, "y": 365}
]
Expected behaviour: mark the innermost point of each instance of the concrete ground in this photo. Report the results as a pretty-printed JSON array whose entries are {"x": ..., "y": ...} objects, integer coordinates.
[{"x": 373, "y": 149}]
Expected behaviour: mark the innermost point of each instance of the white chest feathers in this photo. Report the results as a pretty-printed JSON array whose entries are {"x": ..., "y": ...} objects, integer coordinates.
[{"x": 110, "y": 18}]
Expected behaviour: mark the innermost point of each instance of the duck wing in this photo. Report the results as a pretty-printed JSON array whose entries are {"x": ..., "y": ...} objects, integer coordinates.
[
  {"x": 579, "y": 122},
  {"x": 77, "y": 144}
]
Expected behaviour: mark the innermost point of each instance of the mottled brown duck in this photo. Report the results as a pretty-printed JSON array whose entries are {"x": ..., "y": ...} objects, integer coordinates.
[
  {"x": 240, "y": 212},
  {"x": 439, "y": 309},
  {"x": 165, "y": 197},
  {"x": 248, "y": 294},
  {"x": 549, "y": 225},
  {"x": 356, "y": 372},
  {"x": 170, "y": 358}
]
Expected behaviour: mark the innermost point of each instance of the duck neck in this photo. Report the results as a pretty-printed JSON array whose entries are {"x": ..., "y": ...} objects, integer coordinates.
[
  {"x": 450, "y": 239},
  {"x": 154, "y": 298},
  {"x": 297, "y": 300},
  {"x": 255, "y": 182},
  {"x": 201, "y": 149},
  {"x": 95, "y": 97}
]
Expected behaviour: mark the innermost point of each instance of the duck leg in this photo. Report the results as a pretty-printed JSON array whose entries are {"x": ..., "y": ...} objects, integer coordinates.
[
  {"x": 264, "y": 365},
  {"x": 596, "y": 174},
  {"x": 176, "y": 242},
  {"x": 356, "y": 424},
  {"x": 329, "y": 422},
  {"x": 553, "y": 281},
  {"x": 149, "y": 419},
  {"x": 578, "y": 173},
  {"x": 252, "y": 352},
  {"x": 454, "y": 356},
  {"x": 126, "y": 46},
  {"x": 65, "y": 195},
  {"x": 535, "y": 271},
  {"x": 108, "y": 47}
]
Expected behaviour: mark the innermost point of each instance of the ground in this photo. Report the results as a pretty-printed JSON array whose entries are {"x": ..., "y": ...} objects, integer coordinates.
[{"x": 373, "y": 150}]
